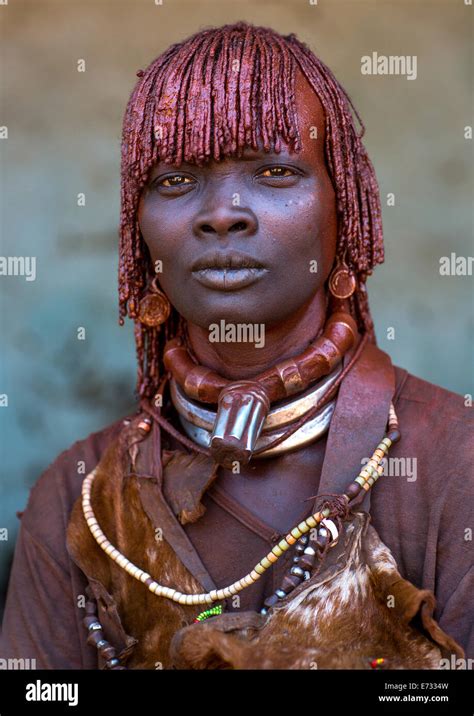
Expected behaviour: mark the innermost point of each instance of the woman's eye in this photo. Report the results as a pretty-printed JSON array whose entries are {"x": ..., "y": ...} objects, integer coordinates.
[
  {"x": 276, "y": 172},
  {"x": 176, "y": 180}
]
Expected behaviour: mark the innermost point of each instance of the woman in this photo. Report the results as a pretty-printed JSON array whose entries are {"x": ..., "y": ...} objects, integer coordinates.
[{"x": 250, "y": 222}]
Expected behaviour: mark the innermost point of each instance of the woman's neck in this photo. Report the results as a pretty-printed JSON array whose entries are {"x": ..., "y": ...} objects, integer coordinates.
[{"x": 242, "y": 359}]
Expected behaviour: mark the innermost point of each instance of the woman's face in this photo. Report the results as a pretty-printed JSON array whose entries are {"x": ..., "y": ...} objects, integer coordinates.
[{"x": 249, "y": 239}]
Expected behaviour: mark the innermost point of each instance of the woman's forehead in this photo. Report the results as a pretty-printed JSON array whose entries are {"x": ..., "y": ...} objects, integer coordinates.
[
  {"x": 309, "y": 109},
  {"x": 311, "y": 125}
]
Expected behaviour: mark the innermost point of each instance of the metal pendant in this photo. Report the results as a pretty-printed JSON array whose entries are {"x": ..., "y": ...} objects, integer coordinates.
[{"x": 241, "y": 412}]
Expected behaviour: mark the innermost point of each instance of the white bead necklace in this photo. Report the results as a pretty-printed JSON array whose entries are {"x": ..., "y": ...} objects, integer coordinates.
[{"x": 366, "y": 478}]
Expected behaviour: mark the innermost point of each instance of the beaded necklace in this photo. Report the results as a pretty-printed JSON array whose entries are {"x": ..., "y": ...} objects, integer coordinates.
[{"x": 341, "y": 505}]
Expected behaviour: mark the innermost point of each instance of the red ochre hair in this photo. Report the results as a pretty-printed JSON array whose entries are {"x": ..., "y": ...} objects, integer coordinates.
[{"x": 209, "y": 97}]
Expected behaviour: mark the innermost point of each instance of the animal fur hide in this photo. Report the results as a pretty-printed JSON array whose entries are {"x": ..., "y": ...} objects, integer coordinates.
[{"x": 358, "y": 608}]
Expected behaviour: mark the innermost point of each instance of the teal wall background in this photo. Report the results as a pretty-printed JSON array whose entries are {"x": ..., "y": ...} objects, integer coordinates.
[{"x": 64, "y": 138}]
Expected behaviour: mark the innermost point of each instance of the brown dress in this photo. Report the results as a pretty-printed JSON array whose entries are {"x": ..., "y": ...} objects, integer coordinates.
[{"x": 423, "y": 515}]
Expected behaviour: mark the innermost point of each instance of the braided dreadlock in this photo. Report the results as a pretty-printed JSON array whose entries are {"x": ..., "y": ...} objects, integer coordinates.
[{"x": 207, "y": 98}]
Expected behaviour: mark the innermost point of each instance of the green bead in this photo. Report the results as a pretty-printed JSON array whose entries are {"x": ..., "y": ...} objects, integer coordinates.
[{"x": 209, "y": 613}]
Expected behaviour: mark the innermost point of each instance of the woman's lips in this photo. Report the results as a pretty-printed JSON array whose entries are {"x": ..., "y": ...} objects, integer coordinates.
[{"x": 228, "y": 279}]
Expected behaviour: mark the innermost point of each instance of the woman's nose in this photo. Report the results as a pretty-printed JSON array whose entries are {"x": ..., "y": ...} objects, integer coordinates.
[{"x": 223, "y": 222}]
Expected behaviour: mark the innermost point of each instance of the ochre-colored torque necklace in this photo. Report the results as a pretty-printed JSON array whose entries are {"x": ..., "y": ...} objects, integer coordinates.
[{"x": 243, "y": 405}]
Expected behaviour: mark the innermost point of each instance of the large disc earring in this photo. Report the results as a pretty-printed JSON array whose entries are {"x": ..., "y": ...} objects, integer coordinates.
[
  {"x": 154, "y": 308},
  {"x": 342, "y": 281}
]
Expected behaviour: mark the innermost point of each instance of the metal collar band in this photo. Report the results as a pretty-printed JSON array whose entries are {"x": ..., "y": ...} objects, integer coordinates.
[{"x": 198, "y": 421}]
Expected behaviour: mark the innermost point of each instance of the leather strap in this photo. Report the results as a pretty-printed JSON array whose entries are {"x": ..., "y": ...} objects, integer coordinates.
[
  {"x": 160, "y": 513},
  {"x": 359, "y": 420},
  {"x": 240, "y": 513}
]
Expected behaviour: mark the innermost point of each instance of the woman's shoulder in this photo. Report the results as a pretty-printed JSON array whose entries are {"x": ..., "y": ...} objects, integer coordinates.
[
  {"x": 440, "y": 419},
  {"x": 52, "y": 496},
  {"x": 417, "y": 391}
]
